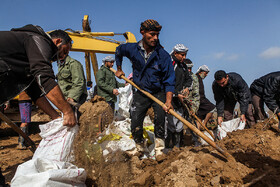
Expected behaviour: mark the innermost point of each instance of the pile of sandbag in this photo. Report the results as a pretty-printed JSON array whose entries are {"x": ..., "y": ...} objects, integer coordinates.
[{"x": 51, "y": 164}]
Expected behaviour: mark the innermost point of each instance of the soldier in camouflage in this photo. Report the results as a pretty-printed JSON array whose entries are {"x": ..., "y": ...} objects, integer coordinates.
[{"x": 193, "y": 98}]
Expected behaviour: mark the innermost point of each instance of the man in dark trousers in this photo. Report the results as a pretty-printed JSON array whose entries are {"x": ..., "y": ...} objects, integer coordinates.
[
  {"x": 154, "y": 73},
  {"x": 266, "y": 89},
  {"x": 228, "y": 89},
  {"x": 182, "y": 85},
  {"x": 25, "y": 64},
  {"x": 206, "y": 108}
]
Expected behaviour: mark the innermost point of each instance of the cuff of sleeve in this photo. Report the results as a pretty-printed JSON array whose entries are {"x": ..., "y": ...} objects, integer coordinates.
[
  {"x": 118, "y": 63},
  {"x": 48, "y": 86},
  {"x": 74, "y": 97},
  {"x": 169, "y": 89}
]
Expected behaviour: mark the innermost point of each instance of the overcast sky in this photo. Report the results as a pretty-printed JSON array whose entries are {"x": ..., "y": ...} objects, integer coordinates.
[{"x": 240, "y": 36}]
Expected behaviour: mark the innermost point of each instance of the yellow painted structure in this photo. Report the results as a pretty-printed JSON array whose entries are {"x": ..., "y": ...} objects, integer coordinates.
[{"x": 96, "y": 42}]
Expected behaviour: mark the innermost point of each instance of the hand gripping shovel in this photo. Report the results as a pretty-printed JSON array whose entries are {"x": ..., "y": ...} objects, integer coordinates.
[
  {"x": 172, "y": 112},
  {"x": 27, "y": 140}
]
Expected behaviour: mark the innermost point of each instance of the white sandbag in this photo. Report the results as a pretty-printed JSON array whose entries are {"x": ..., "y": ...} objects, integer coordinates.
[
  {"x": 125, "y": 100},
  {"x": 229, "y": 126},
  {"x": 202, "y": 141},
  {"x": 57, "y": 142},
  {"x": 43, "y": 172},
  {"x": 125, "y": 143},
  {"x": 50, "y": 165}
]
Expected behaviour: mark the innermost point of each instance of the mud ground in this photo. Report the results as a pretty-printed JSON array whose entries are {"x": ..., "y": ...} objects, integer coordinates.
[
  {"x": 256, "y": 162},
  {"x": 10, "y": 156}
]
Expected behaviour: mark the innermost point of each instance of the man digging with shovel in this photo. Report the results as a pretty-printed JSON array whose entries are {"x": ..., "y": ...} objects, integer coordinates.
[{"x": 154, "y": 73}]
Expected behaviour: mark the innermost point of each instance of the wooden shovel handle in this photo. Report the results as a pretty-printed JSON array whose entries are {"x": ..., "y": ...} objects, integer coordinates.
[{"x": 171, "y": 111}]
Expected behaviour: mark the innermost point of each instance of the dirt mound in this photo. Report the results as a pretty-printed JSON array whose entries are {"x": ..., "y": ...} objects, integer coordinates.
[
  {"x": 257, "y": 161},
  {"x": 95, "y": 116},
  {"x": 40, "y": 116}
]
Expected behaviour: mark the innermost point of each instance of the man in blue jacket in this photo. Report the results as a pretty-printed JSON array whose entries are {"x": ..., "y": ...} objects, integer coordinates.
[{"x": 154, "y": 73}]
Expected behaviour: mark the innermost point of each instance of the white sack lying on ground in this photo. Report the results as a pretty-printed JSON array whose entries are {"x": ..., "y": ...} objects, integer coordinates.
[
  {"x": 229, "y": 126},
  {"x": 43, "y": 172},
  {"x": 50, "y": 165},
  {"x": 119, "y": 133}
]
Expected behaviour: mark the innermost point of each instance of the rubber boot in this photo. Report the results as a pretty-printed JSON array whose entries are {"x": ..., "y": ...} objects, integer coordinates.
[
  {"x": 177, "y": 139},
  {"x": 21, "y": 139},
  {"x": 159, "y": 146},
  {"x": 196, "y": 140},
  {"x": 169, "y": 140}
]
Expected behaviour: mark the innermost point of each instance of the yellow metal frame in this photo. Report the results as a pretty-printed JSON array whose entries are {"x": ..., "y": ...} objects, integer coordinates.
[{"x": 95, "y": 42}]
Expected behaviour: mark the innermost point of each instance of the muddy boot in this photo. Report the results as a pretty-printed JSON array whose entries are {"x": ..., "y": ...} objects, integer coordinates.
[
  {"x": 138, "y": 150},
  {"x": 21, "y": 139},
  {"x": 159, "y": 146}
]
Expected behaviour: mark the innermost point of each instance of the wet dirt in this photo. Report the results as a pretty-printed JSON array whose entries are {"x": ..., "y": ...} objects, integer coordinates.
[
  {"x": 256, "y": 162},
  {"x": 10, "y": 156},
  {"x": 96, "y": 115}
]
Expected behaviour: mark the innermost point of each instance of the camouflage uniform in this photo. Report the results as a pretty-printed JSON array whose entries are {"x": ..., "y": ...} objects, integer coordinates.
[{"x": 193, "y": 98}]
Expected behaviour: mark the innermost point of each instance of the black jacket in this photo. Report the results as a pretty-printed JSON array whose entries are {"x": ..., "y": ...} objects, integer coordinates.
[
  {"x": 27, "y": 52},
  {"x": 236, "y": 89},
  {"x": 205, "y": 105},
  {"x": 183, "y": 80},
  {"x": 268, "y": 88}
]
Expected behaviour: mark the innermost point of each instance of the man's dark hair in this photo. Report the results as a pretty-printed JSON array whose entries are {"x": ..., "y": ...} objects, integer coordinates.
[
  {"x": 89, "y": 83},
  {"x": 61, "y": 34},
  {"x": 220, "y": 74}
]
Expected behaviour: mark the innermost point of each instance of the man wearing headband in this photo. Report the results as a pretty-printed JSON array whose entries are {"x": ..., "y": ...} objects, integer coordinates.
[
  {"x": 107, "y": 85},
  {"x": 154, "y": 73},
  {"x": 228, "y": 89},
  {"x": 183, "y": 82},
  {"x": 25, "y": 64},
  {"x": 206, "y": 108}
]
